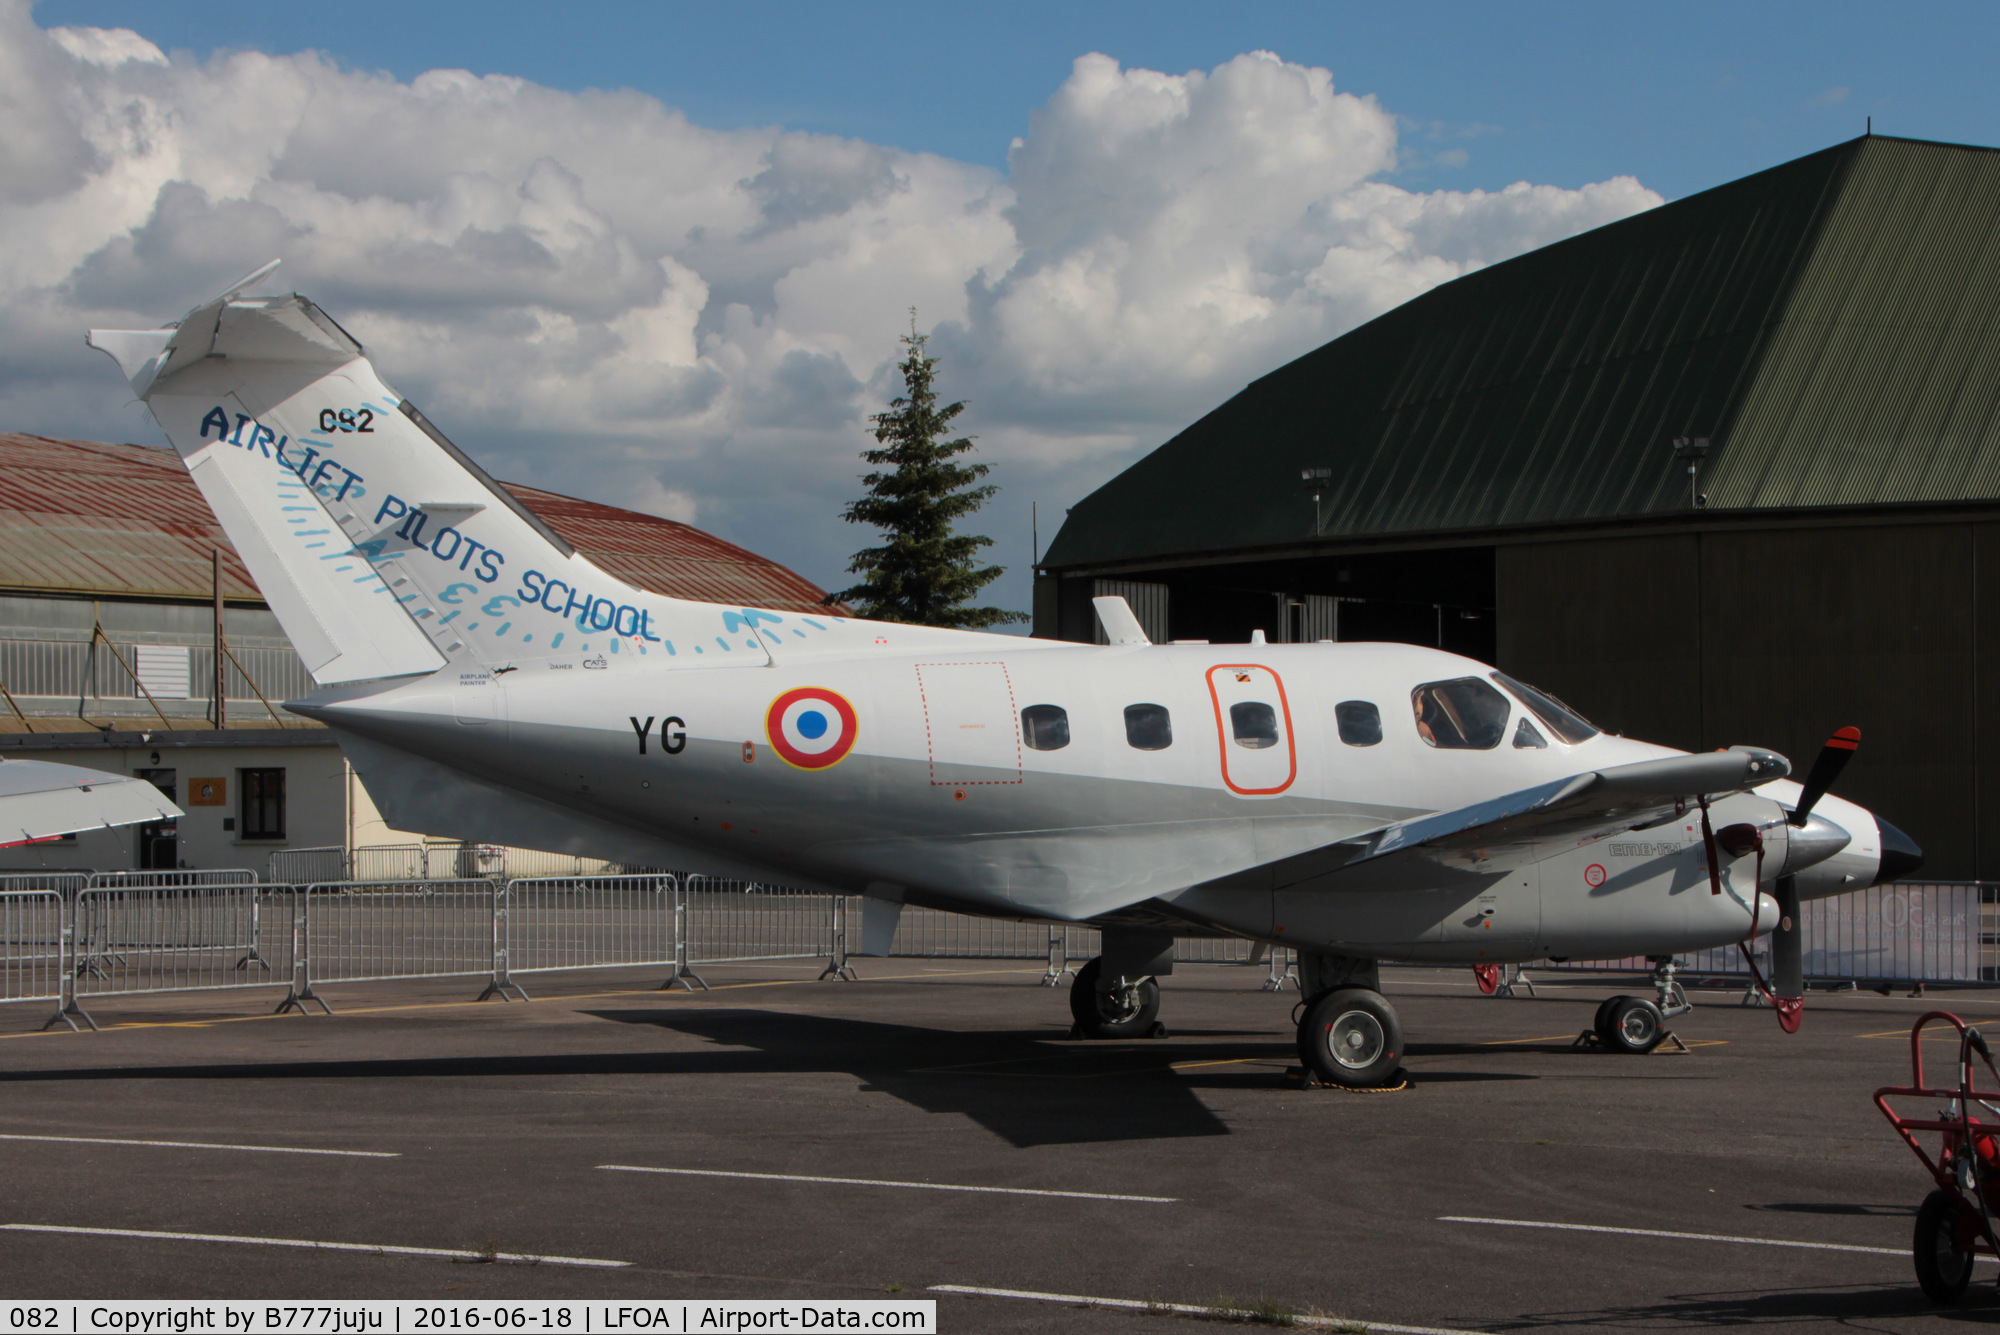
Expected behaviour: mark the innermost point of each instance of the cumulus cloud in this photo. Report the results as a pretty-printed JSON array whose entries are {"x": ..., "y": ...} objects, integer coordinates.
[{"x": 595, "y": 295}]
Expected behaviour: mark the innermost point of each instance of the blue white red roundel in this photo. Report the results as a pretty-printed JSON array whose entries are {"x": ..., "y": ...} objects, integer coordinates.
[{"x": 811, "y": 727}]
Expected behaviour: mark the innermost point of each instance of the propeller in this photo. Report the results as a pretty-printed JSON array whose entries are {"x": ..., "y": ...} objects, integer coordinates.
[
  {"x": 1833, "y": 758},
  {"x": 1788, "y": 972}
]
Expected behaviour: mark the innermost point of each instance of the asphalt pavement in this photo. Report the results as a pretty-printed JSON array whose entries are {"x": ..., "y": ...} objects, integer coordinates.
[{"x": 932, "y": 1125}]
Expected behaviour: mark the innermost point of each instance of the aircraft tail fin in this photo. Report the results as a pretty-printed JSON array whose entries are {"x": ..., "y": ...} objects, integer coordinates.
[{"x": 382, "y": 548}]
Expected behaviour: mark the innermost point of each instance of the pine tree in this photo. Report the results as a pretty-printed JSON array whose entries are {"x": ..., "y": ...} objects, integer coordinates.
[{"x": 925, "y": 572}]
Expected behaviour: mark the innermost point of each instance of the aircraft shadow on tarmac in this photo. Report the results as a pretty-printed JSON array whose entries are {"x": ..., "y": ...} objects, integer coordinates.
[
  {"x": 1829, "y": 1306},
  {"x": 1020, "y": 1087}
]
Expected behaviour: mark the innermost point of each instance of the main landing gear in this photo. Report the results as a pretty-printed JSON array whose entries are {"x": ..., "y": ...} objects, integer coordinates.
[
  {"x": 1636, "y": 1025},
  {"x": 1348, "y": 1032}
]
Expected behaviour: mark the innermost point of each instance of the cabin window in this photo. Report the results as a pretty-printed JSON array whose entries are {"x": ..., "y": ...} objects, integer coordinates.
[
  {"x": 1527, "y": 737},
  {"x": 1360, "y": 722},
  {"x": 1464, "y": 714},
  {"x": 1148, "y": 728},
  {"x": 1563, "y": 721},
  {"x": 1045, "y": 727},
  {"x": 1254, "y": 723}
]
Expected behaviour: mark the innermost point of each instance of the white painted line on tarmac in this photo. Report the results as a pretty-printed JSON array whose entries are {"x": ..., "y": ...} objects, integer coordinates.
[
  {"x": 1188, "y": 1309},
  {"x": 1696, "y": 1237},
  {"x": 205, "y": 1145},
  {"x": 883, "y": 1182},
  {"x": 523, "y": 1258}
]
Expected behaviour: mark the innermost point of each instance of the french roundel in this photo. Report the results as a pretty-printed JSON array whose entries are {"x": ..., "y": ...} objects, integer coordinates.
[{"x": 811, "y": 727}]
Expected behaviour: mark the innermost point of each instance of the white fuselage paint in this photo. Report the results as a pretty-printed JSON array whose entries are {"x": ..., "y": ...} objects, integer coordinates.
[{"x": 940, "y": 801}]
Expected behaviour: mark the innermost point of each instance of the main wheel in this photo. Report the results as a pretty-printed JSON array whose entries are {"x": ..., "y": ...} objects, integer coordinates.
[
  {"x": 1103, "y": 1011},
  {"x": 1603, "y": 1019},
  {"x": 1631, "y": 1024},
  {"x": 1942, "y": 1268},
  {"x": 1351, "y": 1036}
]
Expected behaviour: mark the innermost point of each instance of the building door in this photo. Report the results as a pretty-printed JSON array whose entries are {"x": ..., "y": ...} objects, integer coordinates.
[{"x": 160, "y": 840}]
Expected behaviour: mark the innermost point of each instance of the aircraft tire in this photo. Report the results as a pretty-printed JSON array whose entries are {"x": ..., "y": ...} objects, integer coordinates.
[
  {"x": 1634, "y": 1025},
  {"x": 1351, "y": 1036},
  {"x": 1942, "y": 1269},
  {"x": 1100, "y": 1014},
  {"x": 1602, "y": 1024}
]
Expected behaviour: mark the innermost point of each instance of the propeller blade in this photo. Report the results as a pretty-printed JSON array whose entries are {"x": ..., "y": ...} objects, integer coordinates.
[
  {"x": 1833, "y": 758},
  {"x": 1788, "y": 972}
]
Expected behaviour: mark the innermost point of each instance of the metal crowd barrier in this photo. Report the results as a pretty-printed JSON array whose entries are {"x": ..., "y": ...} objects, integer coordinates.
[
  {"x": 118, "y": 880},
  {"x": 1907, "y": 932},
  {"x": 736, "y": 921},
  {"x": 592, "y": 922},
  {"x": 66, "y": 937},
  {"x": 365, "y": 931},
  {"x": 172, "y": 938}
]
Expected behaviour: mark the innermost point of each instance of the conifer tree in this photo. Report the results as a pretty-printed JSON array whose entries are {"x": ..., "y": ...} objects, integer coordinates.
[{"x": 925, "y": 571}]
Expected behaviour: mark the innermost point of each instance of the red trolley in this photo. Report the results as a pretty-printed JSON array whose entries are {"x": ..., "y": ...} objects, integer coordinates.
[{"x": 1956, "y": 1221}]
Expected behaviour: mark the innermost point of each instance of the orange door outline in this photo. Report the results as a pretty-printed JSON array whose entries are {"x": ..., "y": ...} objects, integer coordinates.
[{"x": 1222, "y": 734}]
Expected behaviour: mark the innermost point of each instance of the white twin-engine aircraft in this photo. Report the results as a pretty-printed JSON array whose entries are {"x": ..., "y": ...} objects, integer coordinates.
[{"x": 1357, "y": 802}]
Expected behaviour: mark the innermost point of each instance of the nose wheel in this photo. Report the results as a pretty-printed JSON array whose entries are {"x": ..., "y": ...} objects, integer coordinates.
[
  {"x": 1351, "y": 1036},
  {"x": 1114, "y": 1007}
]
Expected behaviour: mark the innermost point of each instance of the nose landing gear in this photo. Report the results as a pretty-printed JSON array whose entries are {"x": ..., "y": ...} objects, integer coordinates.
[
  {"x": 1114, "y": 1007},
  {"x": 1635, "y": 1025}
]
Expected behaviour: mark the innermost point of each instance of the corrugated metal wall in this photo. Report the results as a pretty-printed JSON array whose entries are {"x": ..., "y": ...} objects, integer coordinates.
[{"x": 1776, "y": 638}]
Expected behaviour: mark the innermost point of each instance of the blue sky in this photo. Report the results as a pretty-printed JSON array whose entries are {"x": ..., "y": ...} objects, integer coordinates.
[
  {"x": 1683, "y": 96},
  {"x": 685, "y": 298}
]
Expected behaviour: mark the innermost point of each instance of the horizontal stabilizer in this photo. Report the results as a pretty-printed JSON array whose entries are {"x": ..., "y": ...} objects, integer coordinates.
[{"x": 40, "y": 799}]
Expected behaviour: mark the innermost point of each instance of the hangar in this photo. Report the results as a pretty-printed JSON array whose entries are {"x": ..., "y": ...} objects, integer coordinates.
[
  {"x": 119, "y": 596},
  {"x": 1727, "y": 471}
]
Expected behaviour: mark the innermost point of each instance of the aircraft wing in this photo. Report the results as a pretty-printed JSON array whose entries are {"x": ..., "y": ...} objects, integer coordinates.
[
  {"x": 1487, "y": 839},
  {"x": 40, "y": 799}
]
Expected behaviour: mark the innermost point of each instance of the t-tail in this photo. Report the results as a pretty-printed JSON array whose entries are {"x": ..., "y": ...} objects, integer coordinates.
[{"x": 383, "y": 549}]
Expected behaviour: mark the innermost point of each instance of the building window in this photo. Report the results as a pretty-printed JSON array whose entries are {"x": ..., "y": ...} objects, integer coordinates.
[
  {"x": 263, "y": 810},
  {"x": 1148, "y": 728},
  {"x": 1360, "y": 722},
  {"x": 1045, "y": 727}
]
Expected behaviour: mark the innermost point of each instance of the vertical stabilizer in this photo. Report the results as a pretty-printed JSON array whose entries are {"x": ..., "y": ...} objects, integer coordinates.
[{"x": 381, "y": 547}]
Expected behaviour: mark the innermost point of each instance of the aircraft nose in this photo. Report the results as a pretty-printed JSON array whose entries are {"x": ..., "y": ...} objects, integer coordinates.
[{"x": 1900, "y": 854}]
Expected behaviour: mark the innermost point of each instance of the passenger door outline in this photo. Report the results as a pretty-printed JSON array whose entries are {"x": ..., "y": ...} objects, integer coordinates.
[{"x": 1254, "y": 767}]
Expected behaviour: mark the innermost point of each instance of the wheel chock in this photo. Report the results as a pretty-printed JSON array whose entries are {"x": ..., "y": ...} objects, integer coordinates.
[
  {"x": 1588, "y": 1041},
  {"x": 1157, "y": 1031},
  {"x": 1298, "y": 1077}
]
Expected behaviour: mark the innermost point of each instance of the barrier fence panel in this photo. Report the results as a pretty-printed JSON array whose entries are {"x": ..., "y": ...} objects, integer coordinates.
[
  {"x": 33, "y": 949},
  {"x": 305, "y": 866},
  {"x": 1903, "y": 932},
  {"x": 117, "y": 880},
  {"x": 387, "y": 862},
  {"x": 355, "y": 931},
  {"x": 731, "y": 920},
  {"x": 179, "y": 938},
  {"x": 589, "y": 922}
]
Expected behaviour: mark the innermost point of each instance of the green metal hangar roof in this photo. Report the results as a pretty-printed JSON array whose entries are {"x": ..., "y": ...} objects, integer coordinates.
[{"x": 1503, "y": 479}]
